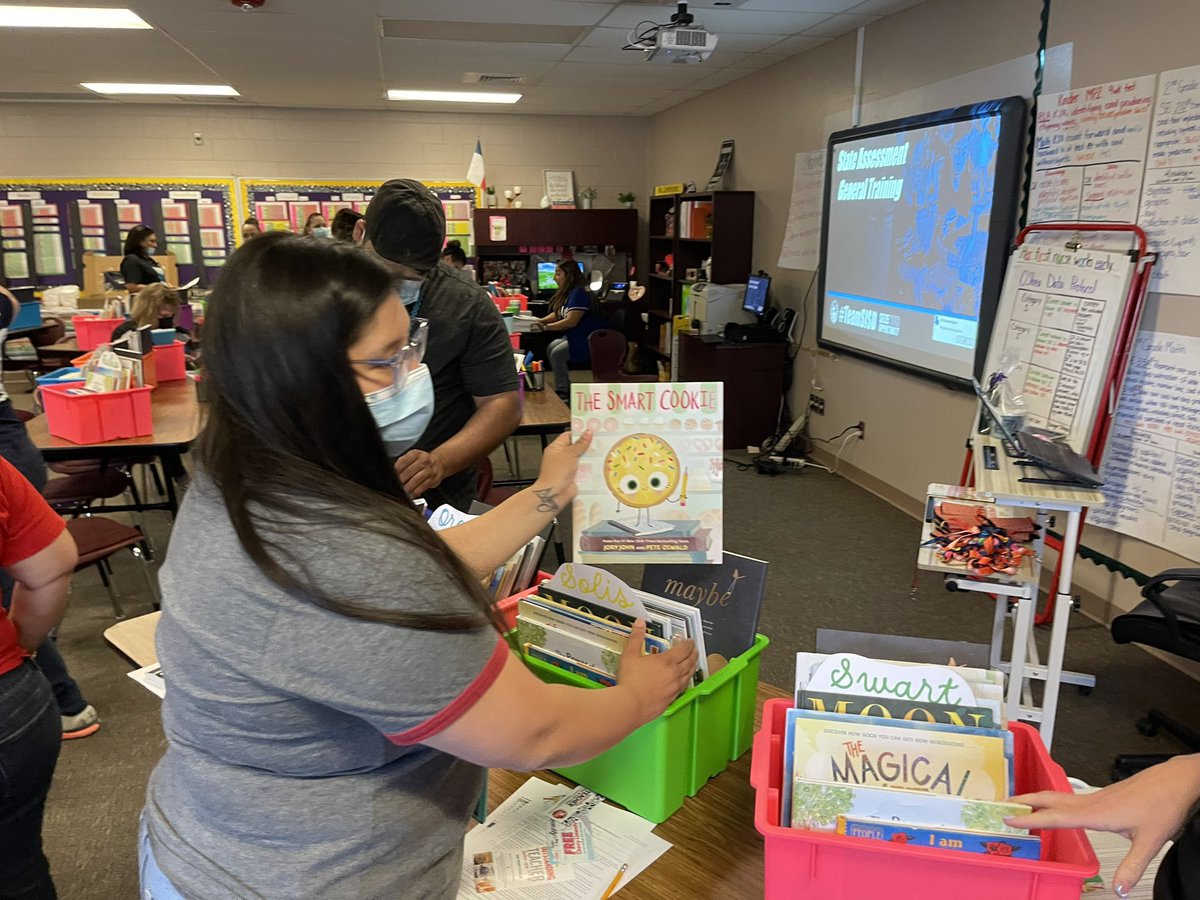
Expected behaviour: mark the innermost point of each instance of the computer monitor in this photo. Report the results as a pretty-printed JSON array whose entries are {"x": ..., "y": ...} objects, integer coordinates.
[
  {"x": 545, "y": 276},
  {"x": 755, "y": 300}
]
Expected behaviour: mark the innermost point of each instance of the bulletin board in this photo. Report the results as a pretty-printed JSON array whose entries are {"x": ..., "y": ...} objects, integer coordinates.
[
  {"x": 285, "y": 205},
  {"x": 47, "y": 225}
]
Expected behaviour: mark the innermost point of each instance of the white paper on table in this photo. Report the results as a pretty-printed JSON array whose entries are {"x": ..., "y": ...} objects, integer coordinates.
[
  {"x": 151, "y": 678},
  {"x": 523, "y": 324},
  {"x": 620, "y": 838}
]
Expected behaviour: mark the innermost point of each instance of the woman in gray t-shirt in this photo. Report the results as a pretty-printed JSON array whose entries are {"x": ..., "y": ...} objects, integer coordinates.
[{"x": 335, "y": 679}]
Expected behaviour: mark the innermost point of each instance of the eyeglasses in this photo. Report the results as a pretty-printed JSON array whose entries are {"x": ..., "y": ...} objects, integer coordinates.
[{"x": 407, "y": 358}]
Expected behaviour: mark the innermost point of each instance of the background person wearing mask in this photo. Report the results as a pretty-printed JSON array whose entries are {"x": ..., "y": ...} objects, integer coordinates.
[
  {"x": 316, "y": 226},
  {"x": 138, "y": 268},
  {"x": 469, "y": 355}
]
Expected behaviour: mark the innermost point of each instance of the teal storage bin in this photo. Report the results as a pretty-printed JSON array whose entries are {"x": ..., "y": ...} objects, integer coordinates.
[{"x": 654, "y": 769}]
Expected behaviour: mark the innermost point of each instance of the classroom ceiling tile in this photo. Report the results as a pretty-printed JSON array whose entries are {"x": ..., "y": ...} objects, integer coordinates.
[
  {"x": 829, "y": 7},
  {"x": 530, "y": 12},
  {"x": 838, "y": 25},
  {"x": 744, "y": 43},
  {"x": 799, "y": 44},
  {"x": 883, "y": 7},
  {"x": 333, "y": 53}
]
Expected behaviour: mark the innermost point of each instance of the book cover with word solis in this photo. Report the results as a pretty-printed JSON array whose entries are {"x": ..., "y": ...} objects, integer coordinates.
[{"x": 650, "y": 486}]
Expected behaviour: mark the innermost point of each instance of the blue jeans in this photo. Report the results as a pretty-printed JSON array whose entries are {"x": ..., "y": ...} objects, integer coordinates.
[
  {"x": 155, "y": 885},
  {"x": 30, "y": 737},
  {"x": 559, "y": 353}
]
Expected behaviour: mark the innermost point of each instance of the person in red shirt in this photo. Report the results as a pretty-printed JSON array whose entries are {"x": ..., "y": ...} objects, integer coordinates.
[{"x": 38, "y": 552}]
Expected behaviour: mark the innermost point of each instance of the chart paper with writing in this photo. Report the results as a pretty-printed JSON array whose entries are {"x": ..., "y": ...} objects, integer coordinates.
[
  {"x": 1059, "y": 310},
  {"x": 1151, "y": 466}
]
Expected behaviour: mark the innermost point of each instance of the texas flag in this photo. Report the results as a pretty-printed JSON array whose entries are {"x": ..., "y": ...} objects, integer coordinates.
[{"x": 475, "y": 173}]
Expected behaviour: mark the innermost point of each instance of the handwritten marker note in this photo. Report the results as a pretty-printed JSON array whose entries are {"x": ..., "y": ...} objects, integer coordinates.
[
  {"x": 1171, "y": 193},
  {"x": 1151, "y": 466},
  {"x": 1090, "y": 152}
]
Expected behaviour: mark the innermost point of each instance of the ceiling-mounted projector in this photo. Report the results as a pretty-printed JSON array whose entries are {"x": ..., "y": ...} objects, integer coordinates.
[
  {"x": 682, "y": 45},
  {"x": 677, "y": 41}
]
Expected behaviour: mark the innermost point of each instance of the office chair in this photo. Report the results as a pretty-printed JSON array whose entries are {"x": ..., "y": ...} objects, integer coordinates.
[
  {"x": 607, "y": 349},
  {"x": 1168, "y": 619}
]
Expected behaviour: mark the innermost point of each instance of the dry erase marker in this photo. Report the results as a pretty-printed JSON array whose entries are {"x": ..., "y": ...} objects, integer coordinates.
[{"x": 612, "y": 887}]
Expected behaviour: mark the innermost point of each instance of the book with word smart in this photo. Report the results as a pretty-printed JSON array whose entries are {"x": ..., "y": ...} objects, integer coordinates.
[{"x": 650, "y": 486}]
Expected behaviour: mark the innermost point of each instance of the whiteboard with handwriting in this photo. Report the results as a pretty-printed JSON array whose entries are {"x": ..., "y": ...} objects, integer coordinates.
[
  {"x": 1170, "y": 211},
  {"x": 1151, "y": 466},
  {"x": 1090, "y": 152},
  {"x": 1059, "y": 312}
]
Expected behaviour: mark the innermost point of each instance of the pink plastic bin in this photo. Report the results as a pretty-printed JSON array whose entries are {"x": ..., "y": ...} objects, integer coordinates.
[
  {"x": 508, "y": 606},
  {"x": 169, "y": 361},
  {"x": 91, "y": 331},
  {"x": 96, "y": 418},
  {"x": 801, "y": 863}
]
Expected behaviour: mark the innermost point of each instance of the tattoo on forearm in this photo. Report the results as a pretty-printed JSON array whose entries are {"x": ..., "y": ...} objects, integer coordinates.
[{"x": 546, "y": 501}]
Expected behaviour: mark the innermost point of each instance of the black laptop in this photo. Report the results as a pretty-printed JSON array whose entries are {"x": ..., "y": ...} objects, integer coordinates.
[{"x": 1031, "y": 448}]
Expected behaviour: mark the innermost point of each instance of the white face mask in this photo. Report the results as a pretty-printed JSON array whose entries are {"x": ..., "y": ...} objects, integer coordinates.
[{"x": 403, "y": 415}]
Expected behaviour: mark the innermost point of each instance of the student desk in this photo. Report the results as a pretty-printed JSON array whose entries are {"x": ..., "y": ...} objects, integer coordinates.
[
  {"x": 176, "y": 411},
  {"x": 717, "y": 852},
  {"x": 1003, "y": 485},
  {"x": 543, "y": 414}
]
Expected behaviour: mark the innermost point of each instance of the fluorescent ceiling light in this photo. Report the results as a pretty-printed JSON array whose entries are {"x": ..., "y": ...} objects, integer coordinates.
[
  {"x": 455, "y": 96},
  {"x": 69, "y": 17},
  {"x": 190, "y": 90}
]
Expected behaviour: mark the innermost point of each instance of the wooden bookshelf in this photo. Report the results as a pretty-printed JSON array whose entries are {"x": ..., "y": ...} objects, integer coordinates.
[{"x": 730, "y": 246}]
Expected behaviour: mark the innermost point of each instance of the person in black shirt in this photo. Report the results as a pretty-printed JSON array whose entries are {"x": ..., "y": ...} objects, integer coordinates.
[
  {"x": 469, "y": 355},
  {"x": 138, "y": 269}
]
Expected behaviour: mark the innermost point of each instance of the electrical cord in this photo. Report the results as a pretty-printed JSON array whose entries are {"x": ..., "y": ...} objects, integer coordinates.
[
  {"x": 836, "y": 436},
  {"x": 837, "y": 460}
]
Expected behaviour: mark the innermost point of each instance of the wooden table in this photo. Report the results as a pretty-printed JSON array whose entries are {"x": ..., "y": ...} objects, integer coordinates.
[
  {"x": 717, "y": 852},
  {"x": 176, "y": 411},
  {"x": 544, "y": 414},
  {"x": 134, "y": 638}
]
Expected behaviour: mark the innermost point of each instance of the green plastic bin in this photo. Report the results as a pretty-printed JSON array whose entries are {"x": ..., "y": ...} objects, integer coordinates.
[{"x": 655, "y": 768}]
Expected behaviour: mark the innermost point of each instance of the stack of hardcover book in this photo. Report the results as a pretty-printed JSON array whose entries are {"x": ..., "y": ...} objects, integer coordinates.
[
  {"x": 901, "y": 752},
  {"x": 518, "y": 572},
  {"x": 580, "y": 621}
]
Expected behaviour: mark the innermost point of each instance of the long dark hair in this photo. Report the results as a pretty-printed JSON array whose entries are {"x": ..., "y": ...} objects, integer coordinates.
[
  {"x": 133, "y": 240},
  {"x": 289, "y": 440},
  {"x": 572, "y": 278}
]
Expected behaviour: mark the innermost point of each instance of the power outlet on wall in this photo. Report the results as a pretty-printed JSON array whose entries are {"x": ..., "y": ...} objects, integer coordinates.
[
  {"x": 862, "y": 430},
  {"x": 816, "y": 403}
]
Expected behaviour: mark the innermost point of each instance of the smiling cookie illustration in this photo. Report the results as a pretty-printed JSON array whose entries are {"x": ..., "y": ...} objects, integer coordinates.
[{"x": 642, "y": 470}]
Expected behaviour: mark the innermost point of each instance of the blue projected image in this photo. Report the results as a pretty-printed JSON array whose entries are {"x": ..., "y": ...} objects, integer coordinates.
[{"x": 911, "y": 248}]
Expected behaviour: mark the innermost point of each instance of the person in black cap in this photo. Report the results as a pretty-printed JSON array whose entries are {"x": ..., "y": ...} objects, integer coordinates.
[{"x": 468, "y": 353}]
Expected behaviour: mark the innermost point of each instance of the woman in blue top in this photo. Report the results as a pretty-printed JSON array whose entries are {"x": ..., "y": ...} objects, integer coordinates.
[{"x": 571, "y": 315}]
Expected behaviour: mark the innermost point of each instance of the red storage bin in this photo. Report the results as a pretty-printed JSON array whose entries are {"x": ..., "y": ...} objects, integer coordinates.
[
  {"x": 802, "y": 863},
  {"x": 92, "y": 331},
  {"x": 508, "y": 606},
  {"x": 169, "y": 361},
  {"x": 96, "y": 418}
]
